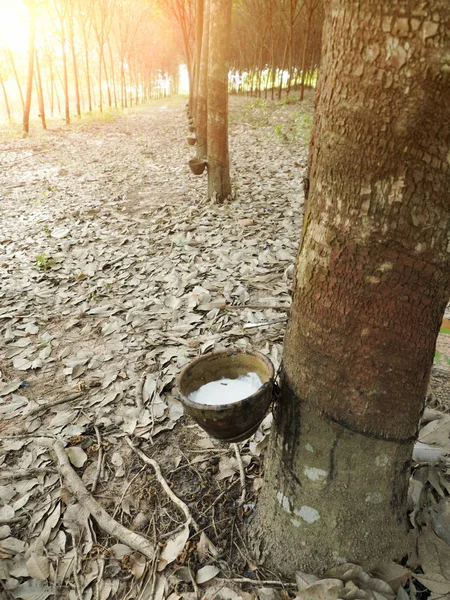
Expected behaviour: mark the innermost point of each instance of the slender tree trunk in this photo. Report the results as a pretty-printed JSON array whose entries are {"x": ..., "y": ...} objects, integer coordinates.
[
  {"x": 5, "y": 97},
  {"x": 40, "y": 91},
  {"x": 108, "y": 87},
  {"x": 198, "y": 51},
  {"x": 201, "y": 118},
  {"x": 283, "y": 66},
  {"x": 66, "y": 81},
  {"x": 113, "y": 74},
  {"x": 100, "y": 92},
  {"x": 16, "y": 77},
  {"x": 31, "y": 5},
  {"x": 305, "y": 48},
  {"x": 219, "y": 185},
  {"x": 74, "y": 64},
  {"x": 52, "y": 87},
  {"x": 88, "y": 73},
  {"x": 123, "y": 86},
  {"x": 373, "y": 260}
]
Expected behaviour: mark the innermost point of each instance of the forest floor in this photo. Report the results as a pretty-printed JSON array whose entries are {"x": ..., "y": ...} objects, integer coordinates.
[{"x": 116, "y": 272}]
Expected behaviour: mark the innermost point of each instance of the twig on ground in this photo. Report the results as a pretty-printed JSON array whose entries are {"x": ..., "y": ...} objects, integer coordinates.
[
  {"x": 181, "y": 505},
  {"x": 253, "y": 307},
  {"x": 99, "y": 460},
  {"x": 99, "y": 579},
  {"x": 13, "y": 475},
  {"x": 31, "y": 436},
  {"x": 257, "y": 582},
  {"x": 139, "y": 388},
  {"x": 13, "y": 520},
  {"x": 125, "y": 491},
  {"x": 264, "y": 323},
  {"x": 98, "y": 513},
  {"x": 153, "y": 571},
  {"x": 7, "y": 592},
  {"x": 75, "y": 569},
  {"x": 43, "y": 407},
  {"x": 194, "y": 583},
  {"x": 241, "y": 473}
]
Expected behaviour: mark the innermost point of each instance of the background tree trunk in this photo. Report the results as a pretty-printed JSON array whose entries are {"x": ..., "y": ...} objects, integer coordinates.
[
  {"x": 5, "y": 97},
  {"x": 198, "y": 51},
  {"x": 40, "y": 92},
  {"x": 217, "y": 131},
  {"x": 201, "y": 116},
  {"x": 31, "y": 5},
  {"x": 16, "y": 77},
  {"x": 371, "y": 283}
]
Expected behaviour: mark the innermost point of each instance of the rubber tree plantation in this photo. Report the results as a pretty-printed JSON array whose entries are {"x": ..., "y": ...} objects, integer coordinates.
[{"x": 371, "y": 283}]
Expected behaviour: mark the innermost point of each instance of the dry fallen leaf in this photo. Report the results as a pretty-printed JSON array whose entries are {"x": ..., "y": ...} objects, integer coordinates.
[
  {"x": 173, "y": 547},
  {"x": 38, "y": 567},
  {"x": 77, "y": 456},
  {"x": 434, "y": 556},
  {"x": 206, "y": 574}
]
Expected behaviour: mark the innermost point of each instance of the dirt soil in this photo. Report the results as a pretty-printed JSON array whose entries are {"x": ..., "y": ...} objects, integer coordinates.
[{"x": 116, "y": 272}]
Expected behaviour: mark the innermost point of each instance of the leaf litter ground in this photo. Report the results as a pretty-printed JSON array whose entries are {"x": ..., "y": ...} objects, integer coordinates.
[{"x": 116, "y": 272}]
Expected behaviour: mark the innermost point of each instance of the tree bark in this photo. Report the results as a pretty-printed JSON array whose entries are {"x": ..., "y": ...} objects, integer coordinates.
[
  {"x": 201, "y": 116},
  {"x": 31, "y": 5},
  {"x": 16, "y": 77},
  {"x": 74, "y": 58},
  {"x": 5, "y": 97},
  {"x": 40, "y": 92},
  {"x": 372, "y": 280},
  {"x": 199, "y": 12},
  {"x": 219, "y": 185}
]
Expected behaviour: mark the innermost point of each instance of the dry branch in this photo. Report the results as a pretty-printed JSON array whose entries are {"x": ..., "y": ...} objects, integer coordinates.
[
  {"x": 99, "y": 459},
  {"x": 98, "y": 513},
  {"x": 43, "y": 407},
  {"x": 253, "y": 307},
  {"x": 181, "y": 505},
  {"x": 241, "y": 473}
]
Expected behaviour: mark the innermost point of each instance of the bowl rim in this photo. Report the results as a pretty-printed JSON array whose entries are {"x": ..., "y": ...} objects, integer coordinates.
[{"x": 222, "y": 407}]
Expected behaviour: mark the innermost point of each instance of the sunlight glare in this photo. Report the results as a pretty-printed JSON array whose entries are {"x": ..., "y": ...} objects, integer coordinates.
[{"x": 14, "y": 26}]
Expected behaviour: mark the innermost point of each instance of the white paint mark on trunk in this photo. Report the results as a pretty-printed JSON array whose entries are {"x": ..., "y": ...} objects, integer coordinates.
[
  {"x": 308, "y": 514},
  {"x": 315, "y": 474},
  {"x": 382, "y": 460},
  {"x": 309, "y": 448},
  {"x": 283, "y": 501},
  {"x": 374, "y": 498}
]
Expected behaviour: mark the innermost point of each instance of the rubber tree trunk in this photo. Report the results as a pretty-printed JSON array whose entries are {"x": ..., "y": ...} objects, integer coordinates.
[
  {"x": 65, "y": 74},
  {"x": 16, "y": 77},
  {"x": 31, "y": 5},
  {"x": 201, "y": 117},
  {"x": 199, "y": 12},
  {"x": 40, "y": 91},
  {"x": 87, "y": 68},
  {"x": 372, "y": 280},
  {"x": 74, "y": 59},
  {"x": 219, "y": 185},
  {"x": 5, "y": 97}
]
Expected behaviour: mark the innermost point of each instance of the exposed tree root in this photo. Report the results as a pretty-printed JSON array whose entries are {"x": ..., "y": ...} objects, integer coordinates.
[
  {"x": 181, "y": 505},
  {"x": 241, "y": 473},
  {"x": 105, "y": 522}
]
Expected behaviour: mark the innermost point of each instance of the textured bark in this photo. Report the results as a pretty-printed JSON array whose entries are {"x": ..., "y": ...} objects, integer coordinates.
[
  {"x": 31, "y": 5},
  {"x": 371, "y": 283},
  {"x": 199, "y": 12},
  {"x": 5, "y": 97},
  {"x": 217, "y": 129},
  {"x": 40, "y": 91},
  {"x": 201, "y": 116}
]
